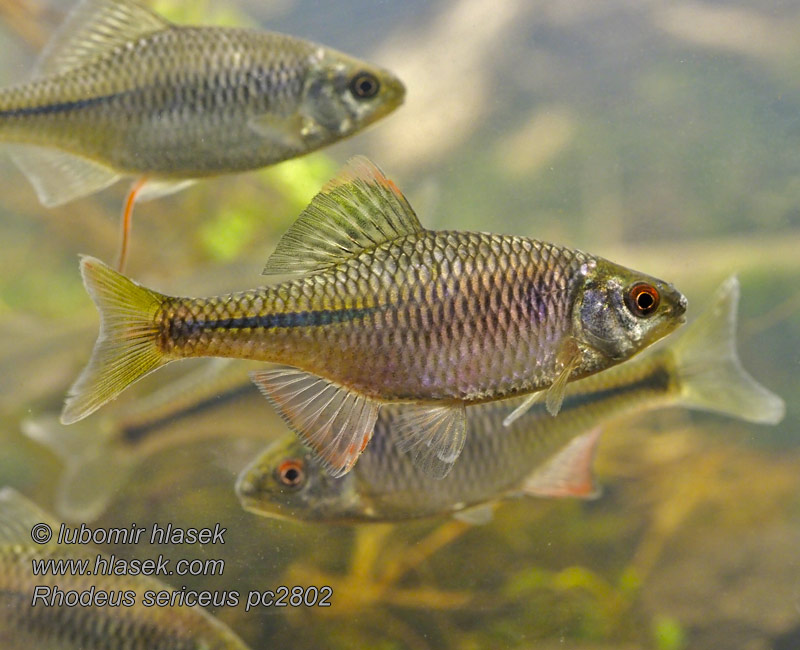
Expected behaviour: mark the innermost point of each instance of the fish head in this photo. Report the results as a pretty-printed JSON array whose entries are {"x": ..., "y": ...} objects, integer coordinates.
[
  {"x": 288, "y": 482},
  {"x": 343, "y": 95},
  {"x": 619, "y": 311}
]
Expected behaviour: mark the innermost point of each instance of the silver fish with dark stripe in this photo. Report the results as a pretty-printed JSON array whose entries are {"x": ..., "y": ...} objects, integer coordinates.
[
  {"x": 537, "y": 455},
  {"x": 120, "y": 91}
]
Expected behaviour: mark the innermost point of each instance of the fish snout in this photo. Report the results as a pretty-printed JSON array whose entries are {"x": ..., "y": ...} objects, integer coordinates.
[{"x": 246, "y": 487}]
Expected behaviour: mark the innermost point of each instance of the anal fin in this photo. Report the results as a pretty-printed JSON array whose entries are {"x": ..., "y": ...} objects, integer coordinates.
[
  {"x": 156, "y": 189},
  {"x": 335, "y": 422},
  {"x": 569, "y": 472},
  {"x": 60, "y": 177},
  {"x": 433, "y": 435},
  {"x": 476, "y": 515}
]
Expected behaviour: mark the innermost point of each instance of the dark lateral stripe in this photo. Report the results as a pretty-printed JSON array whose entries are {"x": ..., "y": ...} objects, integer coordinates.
[
  {"x": 292, "y": 319},
  {"x": 139, "y": 432},
  {"x": 658, "y": 380},
  {"x": 62, "y": 107}
]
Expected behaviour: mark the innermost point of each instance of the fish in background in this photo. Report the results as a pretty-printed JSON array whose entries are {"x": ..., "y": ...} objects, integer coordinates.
[
  {"x": 100, "y": 455},
  {"x": 536, "y": 456},
  {"x": 27, "y": 627},
  {"x": 120, "y": 92},
  {"x": 387, "y": 311}
]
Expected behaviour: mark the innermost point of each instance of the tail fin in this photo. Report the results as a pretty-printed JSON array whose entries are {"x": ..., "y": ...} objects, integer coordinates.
[
  {"x": 95, "y": 468},
  {"x": 127, "y": 346},
  {"x": 711, "y": 375}
]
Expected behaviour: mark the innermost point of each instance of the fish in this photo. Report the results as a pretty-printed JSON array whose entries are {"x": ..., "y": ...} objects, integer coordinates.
[
  {"x": 120, "y": 92},
  {"x": 536, "y": 456},
  {"x": 381, "y": 310},
  {"x": 101, "y": 456},
  {"x": 28, "y": 622}
]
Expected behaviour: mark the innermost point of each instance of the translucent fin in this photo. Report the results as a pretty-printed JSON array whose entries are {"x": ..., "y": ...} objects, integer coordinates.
[
  {"x": 357, "y": 210},
  {"x": 127, "y": 345},
  {"x": 94, "y": 472},
  {"x": 569, "y": 356},
  {"x": 569, "y": 472},
  {"x": 60, "y": 177},
  {"x": 156, "y": 189},
  {"x": 333, "y": 421},
  {"x": 522, "y": 409},
  {"x": 709, "y": 370},
  {"x": 68, "y": 442},
  {"x": 285, "y": 131},
  {"x": 477, "y": 515},
  {"x": 18, "y": 516},
  {"x": 433, "y": 435},
  {"x": 90, "y": 483},
  {"x": 93, "y": 28}
]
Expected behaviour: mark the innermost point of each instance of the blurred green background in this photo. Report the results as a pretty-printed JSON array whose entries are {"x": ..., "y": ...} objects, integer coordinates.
[{"x": 663, "y": 135}]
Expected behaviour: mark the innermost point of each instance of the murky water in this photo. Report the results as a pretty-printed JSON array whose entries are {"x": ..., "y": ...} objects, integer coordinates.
[{"x": 661, "y": 135}]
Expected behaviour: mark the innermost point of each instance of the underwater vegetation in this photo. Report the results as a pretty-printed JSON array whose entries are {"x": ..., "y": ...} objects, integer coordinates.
[{"x": 661, "y": 136}]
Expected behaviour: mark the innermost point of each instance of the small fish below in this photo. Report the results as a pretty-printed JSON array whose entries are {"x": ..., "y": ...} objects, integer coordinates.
[
  {"x": 536, "y": 456},
  {"x": 111, "y": 613},
  {"x": 383, "y": 310},
  {"x": 121, "y": 92}
]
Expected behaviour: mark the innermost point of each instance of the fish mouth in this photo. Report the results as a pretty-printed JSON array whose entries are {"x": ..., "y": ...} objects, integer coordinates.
[
  {"x": 394, "y": 94},
  {"x": 253, "y": 506}
]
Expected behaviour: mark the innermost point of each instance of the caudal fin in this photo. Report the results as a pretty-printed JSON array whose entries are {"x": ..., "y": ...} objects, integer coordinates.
[
  {"x": 712, "y": 377},
  {"x": 127, "y": 346},
  {"x": 95, "y": 466}
]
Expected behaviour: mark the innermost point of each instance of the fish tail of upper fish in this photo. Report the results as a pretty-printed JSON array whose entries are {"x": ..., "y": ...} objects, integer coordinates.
[
  {"x": 708, "y": 369},
  {"x": 127, "y": 346}
]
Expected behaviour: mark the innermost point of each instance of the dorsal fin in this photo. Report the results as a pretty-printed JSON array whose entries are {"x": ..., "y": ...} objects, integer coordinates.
[
  {"x": 569, "y": 472},
  {"x": 358, "y": 209},
  {"x": 93, "y": 28}
]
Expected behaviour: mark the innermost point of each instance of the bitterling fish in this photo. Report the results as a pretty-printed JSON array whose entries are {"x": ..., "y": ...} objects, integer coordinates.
[
  {"x": 386, "y": 311},
  {"x": 121, "y": 92},
  {"x": 536, "y": 456},
  {"x": 86, "y": 612}
]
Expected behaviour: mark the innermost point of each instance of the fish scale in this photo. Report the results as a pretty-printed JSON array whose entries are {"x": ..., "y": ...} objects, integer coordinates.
[{"x": 468, "y": 335}]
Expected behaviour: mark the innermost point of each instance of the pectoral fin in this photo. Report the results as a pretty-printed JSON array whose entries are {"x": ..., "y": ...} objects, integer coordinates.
[
  {"x": 284, "y": 131},
  {"x": 522, "y": 409},
  {"x": 334, "y": 421},
  {"x": 569, "y": 472},
  {"x": 569, "y": 356},
  {"x": 433, "y": 435},
  {"x": 60, "y": 177}
]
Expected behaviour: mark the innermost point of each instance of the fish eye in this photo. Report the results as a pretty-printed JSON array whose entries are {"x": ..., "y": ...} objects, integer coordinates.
[
  {"x": 291, "y": 473},
  {"x": 364, "y": 85},
  {"x": 642, "y": 299}
]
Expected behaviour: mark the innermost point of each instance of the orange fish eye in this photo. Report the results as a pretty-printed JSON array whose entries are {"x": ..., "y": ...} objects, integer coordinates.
[
  {"x": 642, "y": 299},
  {"x": 291, "y": 473}
]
